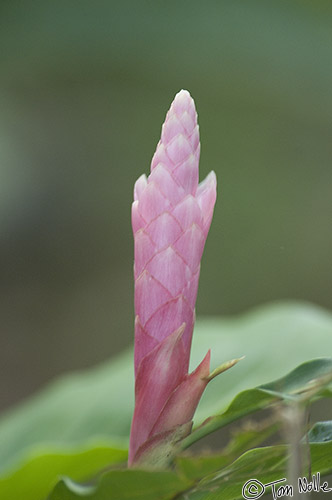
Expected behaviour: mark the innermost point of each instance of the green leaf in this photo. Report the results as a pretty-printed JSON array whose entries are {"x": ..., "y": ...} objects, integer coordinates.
[
  {"x": 265, "y": 464},
  {"x": 76, "y": 409},
  {"x": 124, "y": 485},
  {"x": 321, "y": 432},
  {"x": 269, "y": 462},
  {"x": 38, "y": 474},
  {"x": 307, "y": 381},
  {"x": 273, "y": 338},
  {"x": 262, "y": 464}
]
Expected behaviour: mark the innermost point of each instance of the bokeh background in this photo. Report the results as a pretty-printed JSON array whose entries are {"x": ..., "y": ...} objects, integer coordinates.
[{"x": 84, "y": 88}]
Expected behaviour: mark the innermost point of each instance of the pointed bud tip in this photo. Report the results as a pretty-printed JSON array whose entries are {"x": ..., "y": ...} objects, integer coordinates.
[
  {"x": 183, "y": 94},
  {"x": 184, "y": 102}
]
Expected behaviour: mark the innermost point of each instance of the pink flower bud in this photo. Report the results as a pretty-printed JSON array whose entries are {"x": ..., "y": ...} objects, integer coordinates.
[{"x": 171, "y": 216}]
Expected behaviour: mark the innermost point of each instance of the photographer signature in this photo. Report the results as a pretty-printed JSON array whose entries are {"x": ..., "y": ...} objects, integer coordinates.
[{"x": 254, "y": 489}]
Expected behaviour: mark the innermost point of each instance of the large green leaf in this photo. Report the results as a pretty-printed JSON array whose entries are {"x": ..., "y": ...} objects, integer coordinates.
[
  {"x": 99, "y": 403},
  {"x": 273, "y": 338},
  {"x": 262, "y": 464},
  {"x": 308, "y": 381},
  {"x": 72, "y": 411},
  {"x": 38, "y": 474},
  {"x": 96, "y": 406},
  {"x": 265, "y": 464},
  {"x": 125, "y": 485}
]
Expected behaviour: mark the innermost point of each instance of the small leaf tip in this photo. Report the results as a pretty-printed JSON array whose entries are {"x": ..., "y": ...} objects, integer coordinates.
[{"x": 223, "y": 367}]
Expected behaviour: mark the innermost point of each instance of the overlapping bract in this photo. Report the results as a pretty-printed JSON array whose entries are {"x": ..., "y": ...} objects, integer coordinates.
[{"x": 171, "y": 216}]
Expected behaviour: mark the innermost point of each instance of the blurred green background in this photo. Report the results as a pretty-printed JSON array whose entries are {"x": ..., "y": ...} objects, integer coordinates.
[{"x": 84, "y": 89}]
